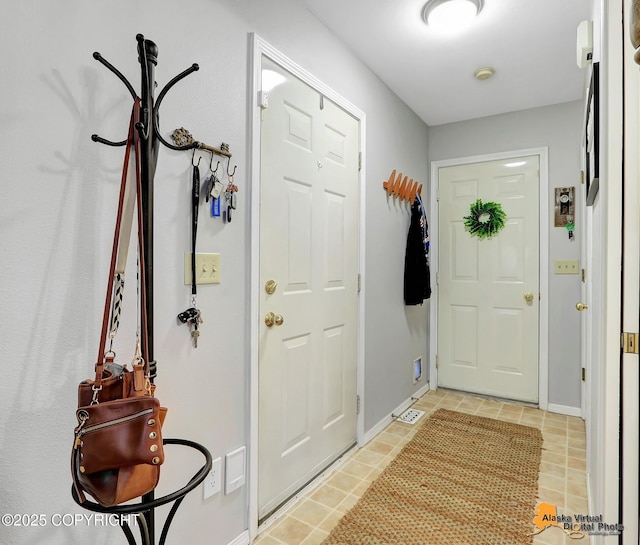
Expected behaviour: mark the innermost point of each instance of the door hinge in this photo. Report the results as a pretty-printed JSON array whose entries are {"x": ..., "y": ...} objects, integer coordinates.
[
  {"x": 582, "y": 176},
  {"x": 359, "y": 161},
  {"x": 322, "y": 102},
  {"x": 584, "y": 374},
  {"x": 437, "y": 362},
  {"x": 584, "y": 276},
  {"x": 359, "y": 282},
  {"x": 629, "y": 343},
  {"x": 357, "y": 404},
  {"x": 437, "y": 279}
]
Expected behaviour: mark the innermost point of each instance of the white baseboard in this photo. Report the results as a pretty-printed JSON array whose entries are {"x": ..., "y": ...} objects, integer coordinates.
[
  {"x": 564, "y": 409},
  {"x": 384, "y": 422},
  {"x": 242, "y": 539}
]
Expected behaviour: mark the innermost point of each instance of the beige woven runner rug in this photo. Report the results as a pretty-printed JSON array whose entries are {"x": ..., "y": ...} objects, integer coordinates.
[{"x": 462, "y": 480}]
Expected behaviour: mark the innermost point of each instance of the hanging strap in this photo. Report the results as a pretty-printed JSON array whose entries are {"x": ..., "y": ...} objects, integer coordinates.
[
  {"x": 195, "y": 201},
  {"x": 122, "y": 233}
]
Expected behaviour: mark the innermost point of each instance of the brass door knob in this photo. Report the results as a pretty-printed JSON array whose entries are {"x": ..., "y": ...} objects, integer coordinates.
[
  {"x": 581, "y": 306},
  {"x": 528, "y": 297},
  {"x": 272, "y": 319}
]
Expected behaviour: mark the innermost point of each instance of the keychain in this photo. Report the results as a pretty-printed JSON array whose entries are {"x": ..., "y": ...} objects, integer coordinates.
[{"x": 570, "y": 226}]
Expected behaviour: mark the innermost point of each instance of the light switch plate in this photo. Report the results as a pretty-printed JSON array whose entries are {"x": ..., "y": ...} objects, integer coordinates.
[
  {"x": 207, "y": 268},
  {"x": 566, "y": 266}
]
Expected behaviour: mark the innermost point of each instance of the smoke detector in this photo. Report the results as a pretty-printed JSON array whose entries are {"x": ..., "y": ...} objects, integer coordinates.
[{"x": 484, "y": 73}]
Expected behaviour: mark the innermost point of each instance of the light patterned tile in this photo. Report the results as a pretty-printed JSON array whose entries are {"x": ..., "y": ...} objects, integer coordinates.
[
  {"x": 368, "y": 457},
  {"x": 311, "y": 512},
  {"x": 343, "y": 481},
  {"x": 357, "y": 469},
  {"x": 576, "y": 463},
  {"x": 315, "y": 538},
  {"x": 579, "y": 453},
  {"x": 552, "y": 429},
  {"x": 577, "y": 488},
  {"x": 551, "y": 482},
  {"x": 554, "y": 458},
  {"x": 331, "y": 521},
  {"x": 266, "y": 539},
  {"x": 551, "y": 496},
  {"x": 348, "y": 503},
  {"x": 558, "y": 471},
  {"x": 379, "y": 447},
  {"x": 509, "y": 408},
  {"x": 291, "y": 531},
  {"x": 578, "y": 505},
  {"x": 554, "y": 448},
  {"x": 328, "y": 495},
  {"x": 557, "y": 439}
]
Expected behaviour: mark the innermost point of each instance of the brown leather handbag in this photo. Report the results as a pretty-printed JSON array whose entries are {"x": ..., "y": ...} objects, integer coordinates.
[{"x": 117, "y": 449}]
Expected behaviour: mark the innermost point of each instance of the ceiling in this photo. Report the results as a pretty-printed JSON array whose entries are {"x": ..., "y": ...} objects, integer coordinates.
[{"x": 531, "y": 44}]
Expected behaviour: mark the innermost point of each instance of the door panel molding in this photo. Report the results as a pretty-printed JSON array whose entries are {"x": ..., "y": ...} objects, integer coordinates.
[
  {"x": 543, "y": 341},
  {"x": 259, "y": 48}
]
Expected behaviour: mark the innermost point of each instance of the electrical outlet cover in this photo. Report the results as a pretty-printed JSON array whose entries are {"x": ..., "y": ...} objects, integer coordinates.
[{"x": 213, "y": 481}]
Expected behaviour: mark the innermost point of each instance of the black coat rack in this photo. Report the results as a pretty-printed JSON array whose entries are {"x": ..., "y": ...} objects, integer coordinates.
[{"x": 150, "y": 137}]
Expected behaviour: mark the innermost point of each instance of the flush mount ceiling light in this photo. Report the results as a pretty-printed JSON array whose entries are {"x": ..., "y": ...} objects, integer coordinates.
[
  {"x": 450, "y": 15},
  {"x": 484, "y": 73}
]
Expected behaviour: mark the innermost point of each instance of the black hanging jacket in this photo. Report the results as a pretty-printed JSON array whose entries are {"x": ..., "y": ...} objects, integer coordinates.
[{"x": 417, "y": 286}]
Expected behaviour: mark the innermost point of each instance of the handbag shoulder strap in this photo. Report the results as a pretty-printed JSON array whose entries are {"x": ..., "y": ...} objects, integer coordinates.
[{"x": 122, "y": 232}]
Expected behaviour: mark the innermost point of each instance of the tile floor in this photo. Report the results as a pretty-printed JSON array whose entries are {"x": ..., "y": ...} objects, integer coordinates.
[{"x": 562, "y": 478}]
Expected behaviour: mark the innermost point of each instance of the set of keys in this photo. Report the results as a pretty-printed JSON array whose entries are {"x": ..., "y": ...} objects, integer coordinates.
[
  {"x": 193, "y": 318},
  {"x": 216, "y": 191},
  {"x": 570, "y": 226}
]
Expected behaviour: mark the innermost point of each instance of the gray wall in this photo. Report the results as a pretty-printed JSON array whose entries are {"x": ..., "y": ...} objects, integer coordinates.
[
  {"x": 56, "y": 220},
  {"x": 558, "y": 128}
]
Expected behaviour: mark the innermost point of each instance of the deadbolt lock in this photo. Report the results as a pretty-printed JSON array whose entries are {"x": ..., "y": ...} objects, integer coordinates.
[{"x": 270, "y": 287}]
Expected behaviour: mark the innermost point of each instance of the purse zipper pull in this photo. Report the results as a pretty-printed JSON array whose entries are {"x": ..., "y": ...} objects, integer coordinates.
[{"x": 83, "y": 416}]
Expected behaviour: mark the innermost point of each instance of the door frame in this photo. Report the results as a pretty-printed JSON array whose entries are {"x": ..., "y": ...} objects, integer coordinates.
[
  {"x": 543, "y": 316},
  {"x": 630, "y": 372},
  {"x": 257, "y": 48}
]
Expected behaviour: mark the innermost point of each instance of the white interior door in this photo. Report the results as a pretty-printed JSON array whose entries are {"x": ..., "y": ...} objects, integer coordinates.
[
  {"x": 488, "y": 302},
  {"x": 309, "y": 252}
]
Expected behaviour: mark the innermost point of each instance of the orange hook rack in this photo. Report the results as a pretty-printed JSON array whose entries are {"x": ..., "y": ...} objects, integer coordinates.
[{"x": 402, "y": 186}]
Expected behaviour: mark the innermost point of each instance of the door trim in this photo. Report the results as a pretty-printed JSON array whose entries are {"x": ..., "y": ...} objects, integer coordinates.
[
  {"x": 257, "y": 48},
  {"x": 543, "y": 317}
]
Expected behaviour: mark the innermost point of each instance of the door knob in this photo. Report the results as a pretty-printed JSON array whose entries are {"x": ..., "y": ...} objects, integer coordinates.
[
  {"x": 272, "y": 319},
  {"x": 581, "y": 306},
  {"x": 528, "y": 297}
]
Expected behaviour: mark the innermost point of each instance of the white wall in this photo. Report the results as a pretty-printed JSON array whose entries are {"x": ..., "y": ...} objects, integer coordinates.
[
  {"x": 558, "y": 128},
  {"x": 56, "y": 217}
]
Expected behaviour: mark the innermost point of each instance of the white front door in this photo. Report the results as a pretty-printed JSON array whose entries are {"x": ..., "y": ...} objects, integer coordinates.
[
  {"x": 488, "y": 302},
  {"x": 309, "y": 258}
]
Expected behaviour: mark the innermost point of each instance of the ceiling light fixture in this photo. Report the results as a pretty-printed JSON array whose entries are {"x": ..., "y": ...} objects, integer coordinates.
[
  {"x": 484, "y": 73},
  {"x": 450, "y": 15}
]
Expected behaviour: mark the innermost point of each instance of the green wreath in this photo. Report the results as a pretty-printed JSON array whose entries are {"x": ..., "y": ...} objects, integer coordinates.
[{"x": 486, "y": 219}]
